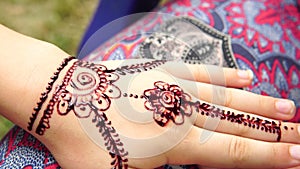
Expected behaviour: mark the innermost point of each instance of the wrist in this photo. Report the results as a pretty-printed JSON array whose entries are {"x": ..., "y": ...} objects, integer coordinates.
[
  {"x": 25, "y": 75},
  {"x": 44, "y": 95}
]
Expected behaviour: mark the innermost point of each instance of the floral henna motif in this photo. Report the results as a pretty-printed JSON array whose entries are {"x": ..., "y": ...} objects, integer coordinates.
[
  {"x": 169, "y": 102},
  {"x": 87, "y": 90}
]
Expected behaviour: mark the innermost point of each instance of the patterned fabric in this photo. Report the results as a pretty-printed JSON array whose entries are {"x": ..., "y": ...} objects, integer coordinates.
[
  {"x": 19, "y": 149},
  {"x": 265, "y": 37}
]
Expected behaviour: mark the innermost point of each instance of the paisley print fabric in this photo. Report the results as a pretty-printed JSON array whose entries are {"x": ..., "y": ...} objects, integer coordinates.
[{"x": 264, "y": 38}]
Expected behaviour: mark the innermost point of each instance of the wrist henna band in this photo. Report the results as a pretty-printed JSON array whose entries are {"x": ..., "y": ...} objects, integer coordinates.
[
  {"x": 44, "y": 121},
  {"x": 44, "y": 95}
]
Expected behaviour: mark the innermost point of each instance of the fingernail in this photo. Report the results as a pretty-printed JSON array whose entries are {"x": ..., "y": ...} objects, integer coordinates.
[
  {"x": 284, "y": 106},
  {"x": 295, "y": 152},
  {"x": 245, "y": 74}
]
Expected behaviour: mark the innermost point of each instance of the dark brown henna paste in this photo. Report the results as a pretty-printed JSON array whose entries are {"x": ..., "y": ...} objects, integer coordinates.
[
  {"x": 87, "y": 90},
  {"x": 112, "y": 141},
  {"x": 135, "y": 96},
  {"x": 44, "y": 95},
  {"x": 44, "y": 121},
  {"x": 140, "y": 67},
  {"x": 168, "y": 102},
  {"x": 171, "y": 103}
]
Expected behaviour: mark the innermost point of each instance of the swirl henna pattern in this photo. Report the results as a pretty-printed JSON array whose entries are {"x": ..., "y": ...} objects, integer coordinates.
[
  {"x": 87, "y": 90},
  {"x": 168, "y": 102}
]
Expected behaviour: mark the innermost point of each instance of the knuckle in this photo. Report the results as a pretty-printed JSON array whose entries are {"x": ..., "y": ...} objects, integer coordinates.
[
  {"x": 261, "y": 101},
  {"x": 218, "y": 95},
  {"x": 273, "y": 157},
  {"x": 238, "y": 150},
  {"x": 228, "y": 98},
  {"x": 264, "y": 104},
  {"x": 241, "y": 130},
  {"x": 198, "y": 76}
]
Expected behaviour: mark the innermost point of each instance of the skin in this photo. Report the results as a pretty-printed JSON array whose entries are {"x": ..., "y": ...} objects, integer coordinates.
[{"x": 30, "y": 62}]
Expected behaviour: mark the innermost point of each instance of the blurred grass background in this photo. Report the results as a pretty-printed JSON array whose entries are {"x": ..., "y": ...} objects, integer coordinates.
[{"x": 61, "y": 22}]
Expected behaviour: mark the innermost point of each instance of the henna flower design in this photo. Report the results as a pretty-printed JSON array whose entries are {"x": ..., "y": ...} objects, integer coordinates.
[
  {"x": 167, "y": 102},
  {"x": 91, "y": 90},
  {"x": 88, "y": 93},
  {"x": 87, "y": 90}
]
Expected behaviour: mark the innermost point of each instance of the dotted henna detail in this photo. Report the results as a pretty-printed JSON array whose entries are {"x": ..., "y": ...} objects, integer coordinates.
[
  {"x": 83, "y": 88},
  {"x": 170, "y": 103},
  {"x": 135, "y": 96},
  {"x": 87, "y": 90},
  {"x": 246, "y": 120},
  {"x": 44, "y": 95}
]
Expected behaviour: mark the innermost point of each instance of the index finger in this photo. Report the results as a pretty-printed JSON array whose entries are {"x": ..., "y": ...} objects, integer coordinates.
[{"x": 210, "y": 74}]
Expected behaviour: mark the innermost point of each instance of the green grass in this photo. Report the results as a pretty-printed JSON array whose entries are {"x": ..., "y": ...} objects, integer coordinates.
[
  {"x": 5, "y": 125},
  {"x": 61, "y": 22}
]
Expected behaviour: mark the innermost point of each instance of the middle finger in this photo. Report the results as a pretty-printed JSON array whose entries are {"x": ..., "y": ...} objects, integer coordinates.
[{"x": 245, "y": 101}]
